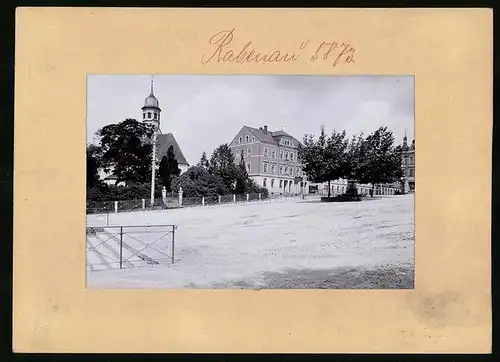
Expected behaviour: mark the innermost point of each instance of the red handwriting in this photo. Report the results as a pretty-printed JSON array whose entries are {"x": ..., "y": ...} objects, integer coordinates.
[
  {"x": 344, "y": 52},
  {"x": 225, "y": 54},
  {"x": 224, "y": 50}
]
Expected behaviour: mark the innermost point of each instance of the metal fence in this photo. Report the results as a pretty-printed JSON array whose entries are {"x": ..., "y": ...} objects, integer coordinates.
[{"x": 118, "y": 247}]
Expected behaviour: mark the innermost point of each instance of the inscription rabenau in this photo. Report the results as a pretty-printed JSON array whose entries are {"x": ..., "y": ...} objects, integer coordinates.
[{"x": 223, "y": 48}]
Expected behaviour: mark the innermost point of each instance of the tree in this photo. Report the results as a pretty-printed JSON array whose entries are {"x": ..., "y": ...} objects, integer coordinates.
[
  {"x": 355, "y": 165},
  {"x": 197, "y": 181},
  {"x": 204, "y": 161},
  {"x": 222, "y": 165},
  {"x": 324, "y": 160},
  {"x": 93, "y": 164},
  {"x": 382, "y": 159},
  {"x": 242, "y": 179},
  {"x": 126, "y": 150},
  {"x": 169, "y": 167}
]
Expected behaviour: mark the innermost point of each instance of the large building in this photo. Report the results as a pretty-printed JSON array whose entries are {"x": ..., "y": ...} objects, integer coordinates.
[
  {"x": 408, "y": 163},
  {"x": 271, "y": 158}
]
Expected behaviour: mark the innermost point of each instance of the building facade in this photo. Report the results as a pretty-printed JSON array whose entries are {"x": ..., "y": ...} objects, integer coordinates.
[
  {"x": 408, "y": 166},
  {"x": 271, "y": 158}
]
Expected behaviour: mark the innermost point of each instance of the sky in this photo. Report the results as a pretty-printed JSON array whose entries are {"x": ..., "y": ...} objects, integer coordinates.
[{"x": 204, "y": 111}]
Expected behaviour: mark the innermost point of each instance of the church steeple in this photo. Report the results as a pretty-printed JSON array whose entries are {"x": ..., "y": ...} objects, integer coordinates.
[
  {"x": 405, "y": 142},
  {"x": 151, "y": 109}
]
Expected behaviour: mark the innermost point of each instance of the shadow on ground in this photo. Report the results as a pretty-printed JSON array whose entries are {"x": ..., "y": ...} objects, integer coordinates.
[{"x": 381, "y": 277}]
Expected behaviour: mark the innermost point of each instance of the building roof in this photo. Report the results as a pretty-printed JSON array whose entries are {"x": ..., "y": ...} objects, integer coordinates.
[
  {"x": 263, "y": 135},
  {"x": 163, "y": 143}
]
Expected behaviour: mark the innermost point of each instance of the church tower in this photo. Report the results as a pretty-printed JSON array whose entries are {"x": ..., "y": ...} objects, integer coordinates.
[{"x": 151, "y": 110}]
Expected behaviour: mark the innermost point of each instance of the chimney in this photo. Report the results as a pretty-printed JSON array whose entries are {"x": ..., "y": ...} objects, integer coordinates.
[{"x": 265, "y": 129}]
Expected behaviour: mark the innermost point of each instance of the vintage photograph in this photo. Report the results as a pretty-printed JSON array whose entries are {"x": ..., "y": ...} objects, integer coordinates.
[{"x": 250, "y": 181}]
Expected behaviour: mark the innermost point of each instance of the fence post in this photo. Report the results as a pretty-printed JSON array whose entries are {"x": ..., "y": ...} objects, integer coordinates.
[
  {"x": 180, "y": 196},
  {"x": 220, "y": 198},
  {"x": 121, "y": 245},
  {"x": 248, "y": 197},
  {"x": 143, "y": 203},
  {"x": 107, "y": 219},
  {"x": 116, "y": 206},
  {"x": 259, "y": 195},
  {"x": 173, "y": 243},
  {"x": 234, "y": 198},
  {"x": 203, "y": 201}
]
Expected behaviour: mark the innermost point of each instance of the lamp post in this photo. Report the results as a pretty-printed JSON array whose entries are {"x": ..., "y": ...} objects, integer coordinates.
[{"x": 153, "y": 169}]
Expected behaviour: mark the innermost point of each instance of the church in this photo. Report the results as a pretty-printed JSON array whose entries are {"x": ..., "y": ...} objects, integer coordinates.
[{"x": 151, "y": 114}]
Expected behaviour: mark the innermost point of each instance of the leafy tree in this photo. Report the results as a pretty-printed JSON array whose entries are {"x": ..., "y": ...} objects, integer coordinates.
[
  {"x": 169, "y": 167},
  {"x": 242, "y": 179},
  {"x": 324, "y": 160},
  {"x": 204, "y": 160},
  {"x": 355, "y": 165},
  {"x": 382, "y": 159},
  {"x": 126, "y": 150},
  {"x": 93, "y": 164},
  {"x": 197, "y": 181},
  {"x": 222, "y": 165}
]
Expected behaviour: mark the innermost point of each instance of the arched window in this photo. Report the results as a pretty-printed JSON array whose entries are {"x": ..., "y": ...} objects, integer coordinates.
[
  {"x": 240, "y": 139},
  {"x": 274, "y": 153},
  {"x": 272, "y": 182},
  {"x": 144, "y": 116},
  {"x": 253, "y": 139},
  {"x": 264, "y": 183},
  {"x": 156, "y": 115},
  {"x": 249, "y": 151},
  {"x": 247, "y": 139},
  {"x": 149, "y": 115}
]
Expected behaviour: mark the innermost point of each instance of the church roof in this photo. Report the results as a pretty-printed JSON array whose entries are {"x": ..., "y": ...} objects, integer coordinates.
[
  {"x": 163, "y": 143},
  {"x": 151, "y": 100}
]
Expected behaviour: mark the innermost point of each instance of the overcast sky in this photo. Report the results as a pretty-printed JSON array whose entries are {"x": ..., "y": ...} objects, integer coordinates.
[{"x": 204, "y": 111}]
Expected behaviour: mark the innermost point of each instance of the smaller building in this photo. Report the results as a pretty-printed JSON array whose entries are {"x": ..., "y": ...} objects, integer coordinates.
[{"x": 408, "y": 166}]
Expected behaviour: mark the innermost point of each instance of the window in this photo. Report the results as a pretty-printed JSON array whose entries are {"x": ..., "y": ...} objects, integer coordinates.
[
  {"x": 240, "y": 139},
  {"x": 156, "y": 115},
  {"x": 265, "y": 167},
  {"x": 144, "y": 116},
  {"x": 281, "y": 170},
  {"x": 411, "y": 172},
  {"x": 265, "y": 152},
  {"x": 247, "y": 139},
  {"x": 274, "y": 153},
  {"x": 411, "y": 160},
  {"x": 273, "y": 168},
  {"x": 237, "y": 153},
  {"x": 249, "y": 167},
  {"x": 249, "y": 151},
  {"x": 253, "y": 139},
  {"x": 291, "y": 156},
  {"x": 234, "y": 142},
  {"x": 297, "y": 171},
  {"x": 291, "y": 171},
  {"x": 281, "y": 154},
  {"x": 264, "y": 182},
  {"x": 272, "y": 182},
  {"x": 338, "y": 188},
  {"x": 281, "y": 183},
  {"x": 149, "y": 115},
  {"x": 286, "y": 156}
]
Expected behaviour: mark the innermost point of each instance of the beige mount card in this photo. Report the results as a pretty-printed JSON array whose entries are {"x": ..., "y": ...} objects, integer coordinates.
[{"x": 449, "y": 52}]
